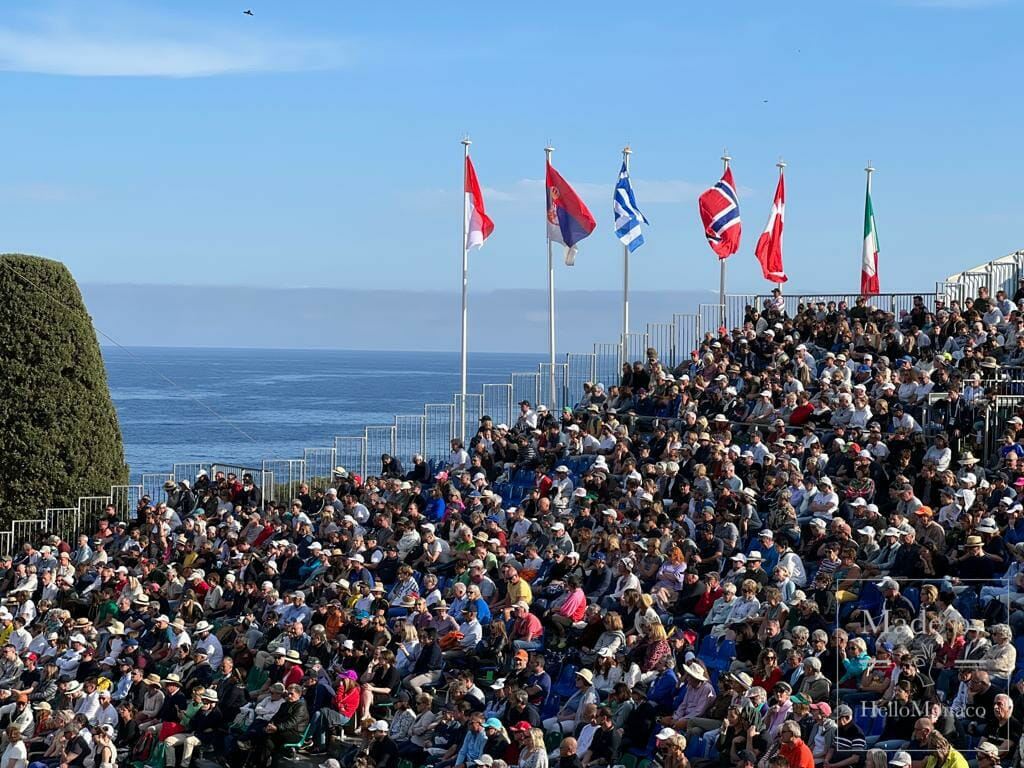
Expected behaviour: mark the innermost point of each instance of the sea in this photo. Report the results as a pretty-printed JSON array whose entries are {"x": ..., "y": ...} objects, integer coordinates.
[{"x": 240, "y": 406}]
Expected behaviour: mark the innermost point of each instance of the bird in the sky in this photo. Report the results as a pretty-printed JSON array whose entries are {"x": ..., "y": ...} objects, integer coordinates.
[{"x": 248, "y": 12}]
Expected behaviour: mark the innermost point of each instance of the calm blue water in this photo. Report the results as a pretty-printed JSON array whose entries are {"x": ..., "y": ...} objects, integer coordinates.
[{"x": 285, "y": 400}]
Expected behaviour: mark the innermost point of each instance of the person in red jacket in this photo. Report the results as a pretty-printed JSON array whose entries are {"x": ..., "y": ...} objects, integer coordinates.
[
  {"x": 803, "y": 411},
  {"x": 712, "y": 593},
  {"x": 792, "y": 750}
]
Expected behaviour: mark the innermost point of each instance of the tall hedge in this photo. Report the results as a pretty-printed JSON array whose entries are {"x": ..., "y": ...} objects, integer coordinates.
[{"x": 59, "y": 435}]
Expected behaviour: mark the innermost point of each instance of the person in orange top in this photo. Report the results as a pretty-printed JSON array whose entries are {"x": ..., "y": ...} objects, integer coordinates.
[{"x": 792, "y": 750}]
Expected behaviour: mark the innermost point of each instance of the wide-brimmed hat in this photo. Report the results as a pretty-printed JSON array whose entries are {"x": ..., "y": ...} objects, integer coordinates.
[
  {"x": 293, "y": 655},
  {"x": 695, "y": 671},
  {"x": 974, "y": 541},
  {"x": 968, "y": 458},
  {"x": 172, "y": 678},
  {"x": 986, "y": 748},
  {"x": 151, "y": 679},
  {"x": 977, "y": 625},
  {"x": 203, "y": 626},
  {"x": 586, "y": 674}
]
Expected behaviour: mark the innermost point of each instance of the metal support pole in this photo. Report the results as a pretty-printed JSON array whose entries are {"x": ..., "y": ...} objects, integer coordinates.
[
  {"x": 465, "y": 286},
  {"x": 626, "y": 152},
  {"x": 551, "y": 296},
  {"x": 721, "y": 262}
]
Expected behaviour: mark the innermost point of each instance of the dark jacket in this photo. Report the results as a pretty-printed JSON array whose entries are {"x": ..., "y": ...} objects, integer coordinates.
[
  {"x": 383, "y": 753},
  {"x": 231, "y": 697},
  {"x": 430, "y": 659},
  {"x": 291, "y": 720},
  {"x": 206, "y": 725}
]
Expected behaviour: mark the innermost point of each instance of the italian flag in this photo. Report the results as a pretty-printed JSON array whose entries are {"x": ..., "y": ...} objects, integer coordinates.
[{"x": 869, "y": 264}]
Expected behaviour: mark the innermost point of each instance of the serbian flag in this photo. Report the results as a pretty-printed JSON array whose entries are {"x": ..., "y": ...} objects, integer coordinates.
[
  {"x": 720, "y": 212},
  {"x": 478, "y": 224},
  {"x": 769, "y": 245},
  {"x": 569, "y": 221}
]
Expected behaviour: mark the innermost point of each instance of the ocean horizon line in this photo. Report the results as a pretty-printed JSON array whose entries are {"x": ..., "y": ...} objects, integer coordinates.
[{"x": 376, "y": 350}]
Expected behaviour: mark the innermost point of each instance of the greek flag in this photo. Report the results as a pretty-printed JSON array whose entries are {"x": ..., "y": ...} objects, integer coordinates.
[{"x": 627, "y": 215}]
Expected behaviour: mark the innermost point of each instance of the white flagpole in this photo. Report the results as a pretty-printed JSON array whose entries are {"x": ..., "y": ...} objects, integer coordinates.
[
  {"x": 626, "y": 152},
  {"x": 869, "y": 170},
  {"x": 551, "y": 292},
  {"x": 465, "y": 286},
  {"x": 721, "y": 262}
]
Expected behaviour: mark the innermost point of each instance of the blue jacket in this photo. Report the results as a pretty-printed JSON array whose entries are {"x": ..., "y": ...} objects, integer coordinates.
[{"x": 663, "y": 690}]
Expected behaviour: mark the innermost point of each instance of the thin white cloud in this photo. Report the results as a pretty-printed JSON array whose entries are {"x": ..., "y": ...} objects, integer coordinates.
[{"x": 150, "y": 45}]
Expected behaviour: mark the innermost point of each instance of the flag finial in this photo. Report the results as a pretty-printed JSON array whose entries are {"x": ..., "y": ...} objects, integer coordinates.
[
  {"x": 466, "y": 141},
  {"x": 781, "y": 164},
  {"x": 870, "y": 169},
  {"x": 725, "y": 157}
]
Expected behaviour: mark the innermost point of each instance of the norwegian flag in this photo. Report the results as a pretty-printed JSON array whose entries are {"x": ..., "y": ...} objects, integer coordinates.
[
  {"x": 720, "y": 212},
  {"x": 769, "y": 245}
]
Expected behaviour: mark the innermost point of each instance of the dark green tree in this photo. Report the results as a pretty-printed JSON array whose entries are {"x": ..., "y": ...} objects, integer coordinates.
[{"x": 59, "y": 434}]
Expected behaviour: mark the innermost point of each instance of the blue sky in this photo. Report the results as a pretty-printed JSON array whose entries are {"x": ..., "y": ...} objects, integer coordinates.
[{"x": 317, "y": 143}]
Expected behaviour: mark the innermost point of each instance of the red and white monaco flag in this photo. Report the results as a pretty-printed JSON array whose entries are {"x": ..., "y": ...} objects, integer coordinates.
[
  {"x": 769, "y": 245},
  {"x": 478, "y": 224}
]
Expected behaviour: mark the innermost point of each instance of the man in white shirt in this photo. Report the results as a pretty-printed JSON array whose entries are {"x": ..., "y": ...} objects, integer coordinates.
[
  {"x": 68, "y": 661},
  {"x": 357, "y": 510},
  {"x": 939, "y": 453},
  {"x": 18, "y": 714},
  {"x": 107, "y": 712},
  {"x": 561, "y": 486},
  {"x": 179, "y": 636},
  {"x": 792, "y": 562},
  {"x": 527, "y": 417},
  {"x": 20, "y": 638},
  {"x": 458, "y": 458},
  {"x": 89, "y": 704},
  {"x": 208, "y": 642},
  {"x": 825, "y": 502},
  {"x": 472, "y": 632}
]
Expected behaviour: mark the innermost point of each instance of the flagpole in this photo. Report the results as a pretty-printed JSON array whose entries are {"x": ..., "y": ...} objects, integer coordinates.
[
  {"x": 869, "y": 170},
  {"x": 465, "y": 286},
  {"x": 551, "y": 293},
  {"x": 721, "y": 262},
  {"x": 626, "y": 152}
]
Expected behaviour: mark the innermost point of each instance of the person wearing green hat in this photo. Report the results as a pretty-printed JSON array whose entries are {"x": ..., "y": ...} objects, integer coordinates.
[{"x": 801, "y": 713}]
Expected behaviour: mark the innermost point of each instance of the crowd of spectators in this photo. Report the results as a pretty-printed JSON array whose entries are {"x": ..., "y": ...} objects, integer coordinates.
[{"x": 790, "y": 550}]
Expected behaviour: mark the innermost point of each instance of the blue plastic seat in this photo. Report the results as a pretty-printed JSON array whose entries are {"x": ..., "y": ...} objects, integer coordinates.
[{"x": 566, "y": 685}]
